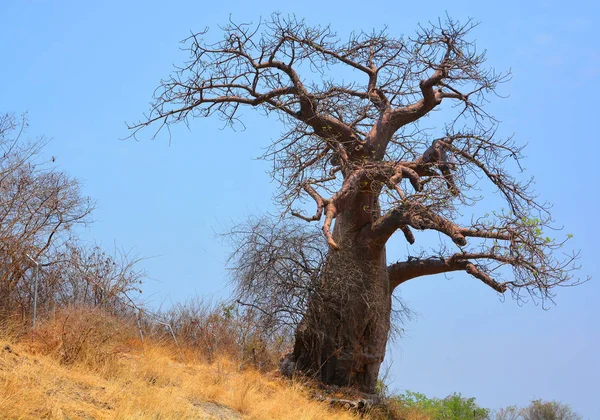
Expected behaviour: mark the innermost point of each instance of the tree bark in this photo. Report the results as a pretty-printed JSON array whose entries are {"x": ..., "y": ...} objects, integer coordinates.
[{"x": 343, "y": 335}]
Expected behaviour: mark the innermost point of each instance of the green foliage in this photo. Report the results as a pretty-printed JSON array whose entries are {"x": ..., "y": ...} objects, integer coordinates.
[
  {"x": 415, "y": 405},
  {"x": 453, "y": 407},
  {"x": 228, "y": 310},
  {"x": 381, "y": 388}
]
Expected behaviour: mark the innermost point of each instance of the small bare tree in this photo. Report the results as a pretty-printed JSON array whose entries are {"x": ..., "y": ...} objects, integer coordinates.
[
  {"x": 39, "y": 207},
  {"x": 355, "y": 143},
  {"x": 80, "y": 275},
  {"x": 507, "y": 413},
  {"x": 548, "y": 410},
  {"x": 276, "y": 268}
]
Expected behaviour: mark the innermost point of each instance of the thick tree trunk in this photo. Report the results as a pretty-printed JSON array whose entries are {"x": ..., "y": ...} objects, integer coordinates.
[{"x": 343, "y": 336}]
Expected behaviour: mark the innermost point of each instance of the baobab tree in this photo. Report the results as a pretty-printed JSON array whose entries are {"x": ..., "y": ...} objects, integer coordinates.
[{"x": 355, "y": 142}]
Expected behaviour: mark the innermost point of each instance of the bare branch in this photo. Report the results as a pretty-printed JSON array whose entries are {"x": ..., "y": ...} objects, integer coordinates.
[
  {"x": 418, "y": 217},
  {"x": 401, "y": 272}
]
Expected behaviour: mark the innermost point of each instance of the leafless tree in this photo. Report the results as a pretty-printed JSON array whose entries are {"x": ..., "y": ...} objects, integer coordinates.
[
  {"x": 39, "y": 207},
  {"x": 507, "y": 413},
  {"x": 83, "y": 275},
  {"x": 355, "y": 142},
  {"x": 276, "y": 268},
  {"x": 548, "y": 410}
]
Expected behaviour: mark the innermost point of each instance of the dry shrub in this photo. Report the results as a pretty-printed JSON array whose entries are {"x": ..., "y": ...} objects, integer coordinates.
[
  {"x": 12, "y": 327},
  {"x": 213, "y": 330},
  {"x": 83, "y": 335},
  {"x": 199, "y": 325}
]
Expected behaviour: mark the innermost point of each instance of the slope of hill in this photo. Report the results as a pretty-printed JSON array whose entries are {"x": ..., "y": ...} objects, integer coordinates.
[{"x": 80, "y": 374}]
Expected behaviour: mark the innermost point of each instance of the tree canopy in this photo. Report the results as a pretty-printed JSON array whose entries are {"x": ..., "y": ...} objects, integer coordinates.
[{"x": 354, "y": 114}]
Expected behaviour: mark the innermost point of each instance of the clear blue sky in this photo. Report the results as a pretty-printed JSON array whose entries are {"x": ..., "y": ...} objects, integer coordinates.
[{"x": 81, "y": 69}]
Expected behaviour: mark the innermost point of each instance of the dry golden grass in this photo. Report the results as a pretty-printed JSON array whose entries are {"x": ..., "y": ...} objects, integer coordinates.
[{"x": 86, "y": 367}]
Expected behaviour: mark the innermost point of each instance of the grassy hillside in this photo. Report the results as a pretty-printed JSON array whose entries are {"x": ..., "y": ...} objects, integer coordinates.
[
  {"x": 86, "y": 366},
  {"x": 83, "y": 363}
]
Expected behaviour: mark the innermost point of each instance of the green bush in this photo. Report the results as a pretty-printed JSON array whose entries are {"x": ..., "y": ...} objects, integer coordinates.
[{"x": 453, "y": 407}]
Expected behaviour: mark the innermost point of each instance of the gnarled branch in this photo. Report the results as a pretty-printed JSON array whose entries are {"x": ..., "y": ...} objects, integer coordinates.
[{"x": 401, "y": 272}]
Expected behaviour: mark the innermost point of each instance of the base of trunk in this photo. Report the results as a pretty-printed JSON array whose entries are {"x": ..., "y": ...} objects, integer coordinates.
[{"x": 342, "y": 338}]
